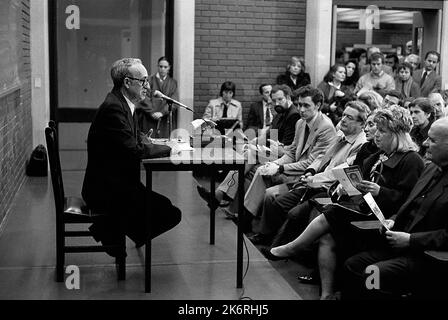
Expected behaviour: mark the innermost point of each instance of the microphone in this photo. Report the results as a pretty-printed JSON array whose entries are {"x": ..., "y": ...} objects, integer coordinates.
[{"x": 158, "y": 94}]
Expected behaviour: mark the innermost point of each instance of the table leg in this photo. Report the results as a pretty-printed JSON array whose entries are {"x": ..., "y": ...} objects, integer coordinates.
[
  {"x": 148, "y": 241},
  {"x": 212, "y": 208},
  {"x": 239, "y": 242}
]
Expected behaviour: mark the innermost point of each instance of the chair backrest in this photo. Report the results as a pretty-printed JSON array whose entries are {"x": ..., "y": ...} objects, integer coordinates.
[{"x": 55, "y": 167}]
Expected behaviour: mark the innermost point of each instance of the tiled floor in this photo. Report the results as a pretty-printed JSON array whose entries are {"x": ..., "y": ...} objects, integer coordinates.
[{"x": 185, "y": 266}]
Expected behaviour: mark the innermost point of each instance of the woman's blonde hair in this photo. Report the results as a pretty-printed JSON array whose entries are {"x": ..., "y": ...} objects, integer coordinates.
[
  {"x": 397, "y": 120},
  {"x": 294, "y": 60}
]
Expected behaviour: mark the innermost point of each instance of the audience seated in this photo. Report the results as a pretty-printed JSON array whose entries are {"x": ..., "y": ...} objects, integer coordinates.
[
  {"x": 392, "y": 97},
  {"x": 352, "y": 76},
  {"x": 342, "y": 150},
  {"x": 427, "y": 78},
  {"x": 437, "y": 102},
  {"x": 260, "y": 112},
  {"x": 405, "y": 83},
  {"x": 372, "y": 99},
  {"x": 422, "y": 114},
  {"x": 225, "y": 106},
  {"x": 334, "y": 92},
  {"x": 360, "y": 56},
  {"x": 376, "y": 79},
  {"x": 367, "y": 68},
  {"x": 280, "y": 135},
  {"x": 420, "y": 224},
  {"x": 413, "y": 60},
  {"x": 389, "y": 175},
  {"x": 392, "y": 62},
  {"x": 295, "y": 76},
  {"x": 313, "y": 135}
]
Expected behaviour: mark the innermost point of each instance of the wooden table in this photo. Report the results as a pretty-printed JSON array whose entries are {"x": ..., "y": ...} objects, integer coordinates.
[{"x": 216, "y": 159}]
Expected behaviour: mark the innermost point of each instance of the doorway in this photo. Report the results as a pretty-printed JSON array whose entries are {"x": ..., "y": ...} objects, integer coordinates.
[{"x": 86, "y": 37}]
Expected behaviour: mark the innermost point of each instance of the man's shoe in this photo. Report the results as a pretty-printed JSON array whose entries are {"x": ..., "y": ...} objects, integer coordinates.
[
  {"x": 207, "y": 196},
  {"x": 260, "y": 238}
]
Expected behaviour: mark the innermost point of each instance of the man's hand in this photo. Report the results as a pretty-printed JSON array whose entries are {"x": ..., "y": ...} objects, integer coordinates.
[
  {"x": 276, "y": 148},
  {"x": 398, "y": 240},
  {"x": 389, "y": 224},
  {"x": 157, "y": 115},
  {"x": 269, "y": 169}
]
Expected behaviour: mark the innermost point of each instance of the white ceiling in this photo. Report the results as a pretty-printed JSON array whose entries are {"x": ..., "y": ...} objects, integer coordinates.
[{"x": 386, "y": 16}]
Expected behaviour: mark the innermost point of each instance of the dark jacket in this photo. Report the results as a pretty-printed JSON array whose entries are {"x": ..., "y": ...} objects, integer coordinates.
[
  {"x": 399, "y": 175},
  {"x": 255, "y": 118},
  {"x": 114, "y": 151},
  {"x": 303, "y": 79},
  {"x": 285, "y": 123},
  {"x": 429, "y": 228}
]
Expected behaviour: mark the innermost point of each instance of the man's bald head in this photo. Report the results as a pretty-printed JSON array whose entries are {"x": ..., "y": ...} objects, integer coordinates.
[{"x": 437, "y": 142}]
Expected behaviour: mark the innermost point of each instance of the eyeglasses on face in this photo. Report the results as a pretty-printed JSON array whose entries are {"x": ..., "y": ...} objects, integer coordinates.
[{"x": 143, "y": 81}]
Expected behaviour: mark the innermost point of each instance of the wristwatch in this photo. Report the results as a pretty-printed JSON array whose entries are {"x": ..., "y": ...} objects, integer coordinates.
[{"x": 281, "y": 169}]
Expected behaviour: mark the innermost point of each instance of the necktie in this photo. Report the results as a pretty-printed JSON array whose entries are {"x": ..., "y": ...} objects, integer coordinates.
[
  {"x": 307, "y": 133},
  {"x": 423, "y": 78},
  {"x": 267, "y": 118},
  {"x": 224, "y": 112},
  {"x": 402, "y": 89}
]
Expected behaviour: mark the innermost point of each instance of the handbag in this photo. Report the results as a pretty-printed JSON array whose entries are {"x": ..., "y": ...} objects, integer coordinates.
[{"x": 37, "y": 165}]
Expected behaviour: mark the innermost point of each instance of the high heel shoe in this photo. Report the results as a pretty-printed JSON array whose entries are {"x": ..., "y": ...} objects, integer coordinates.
[{"x": 268, "y": 255}]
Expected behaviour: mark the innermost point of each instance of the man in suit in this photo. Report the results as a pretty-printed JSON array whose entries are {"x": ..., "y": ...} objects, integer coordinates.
[
  {"x": 260, "y": 114},
  {"x": 420, "y": 224},
  {"x": 287, "y": 206},
  {"x": 427, "y": 78},
  {"x": 313, "y": 135},
  {"x": 115, "y": 147},
  {"x": 280, "y": 135}
]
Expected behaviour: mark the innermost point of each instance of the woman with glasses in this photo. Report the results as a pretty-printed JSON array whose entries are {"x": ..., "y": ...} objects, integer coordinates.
[
  {"x": 389, "y": 175},
  {"x": 154, "y": 112}
]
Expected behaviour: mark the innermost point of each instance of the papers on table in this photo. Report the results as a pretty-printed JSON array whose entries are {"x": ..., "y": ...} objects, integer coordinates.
[{"x": 200, "y": 123}]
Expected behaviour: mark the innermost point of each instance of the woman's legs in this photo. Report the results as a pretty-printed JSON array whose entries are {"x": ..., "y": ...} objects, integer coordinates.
[
  {"x": 317, "y": 228},
  {"x": 327, "y": 260}
]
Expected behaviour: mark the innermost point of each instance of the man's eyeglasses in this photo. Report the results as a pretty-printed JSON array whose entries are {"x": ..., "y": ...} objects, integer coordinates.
[{"x": 143, "y": 81}]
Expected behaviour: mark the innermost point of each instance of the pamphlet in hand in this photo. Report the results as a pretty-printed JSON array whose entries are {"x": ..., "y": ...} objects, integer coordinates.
[
  {"x": 375, "y": 209},
  {"x": 349, "y": 177}
]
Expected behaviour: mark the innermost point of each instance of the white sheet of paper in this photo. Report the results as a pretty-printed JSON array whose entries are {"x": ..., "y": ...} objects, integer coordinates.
[{"x": 375, "y": 209}]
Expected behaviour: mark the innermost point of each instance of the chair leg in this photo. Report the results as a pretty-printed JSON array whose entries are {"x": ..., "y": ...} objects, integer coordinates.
[
  {"x": 60, "y": 258},
  {"x": 121, "y": 260},
  {"x": 59, "y": 265},
  {"x": 121, "y": 267}
]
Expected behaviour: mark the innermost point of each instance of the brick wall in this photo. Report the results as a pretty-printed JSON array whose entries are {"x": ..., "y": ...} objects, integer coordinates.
[
  {"x": 15, "y": 119},
  {"x": 248, "y": 42}
]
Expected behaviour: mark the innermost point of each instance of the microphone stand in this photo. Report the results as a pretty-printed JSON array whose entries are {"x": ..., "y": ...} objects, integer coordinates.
[{"x": 170, "y": 116}]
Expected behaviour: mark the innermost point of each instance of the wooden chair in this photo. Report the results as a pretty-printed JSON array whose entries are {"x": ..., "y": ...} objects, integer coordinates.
[{"x": 72, "y": 210}]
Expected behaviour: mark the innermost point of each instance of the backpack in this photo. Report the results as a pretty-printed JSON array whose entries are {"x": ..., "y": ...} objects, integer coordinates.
[{"x": 37, "y": 166}]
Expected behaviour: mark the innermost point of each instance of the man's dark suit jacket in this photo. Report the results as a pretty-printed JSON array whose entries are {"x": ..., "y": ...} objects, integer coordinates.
[
  {"x": 255, "y": 119},
  {"x": 285, "y": 123},
  {"x": 433, "y": 82},
  {"x": 112, "y": 179},
  {"x": 429, "y": 228}
]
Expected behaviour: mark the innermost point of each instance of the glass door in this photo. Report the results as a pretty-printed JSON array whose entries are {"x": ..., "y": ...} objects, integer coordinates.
[{"x": 87, "y": 37}]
